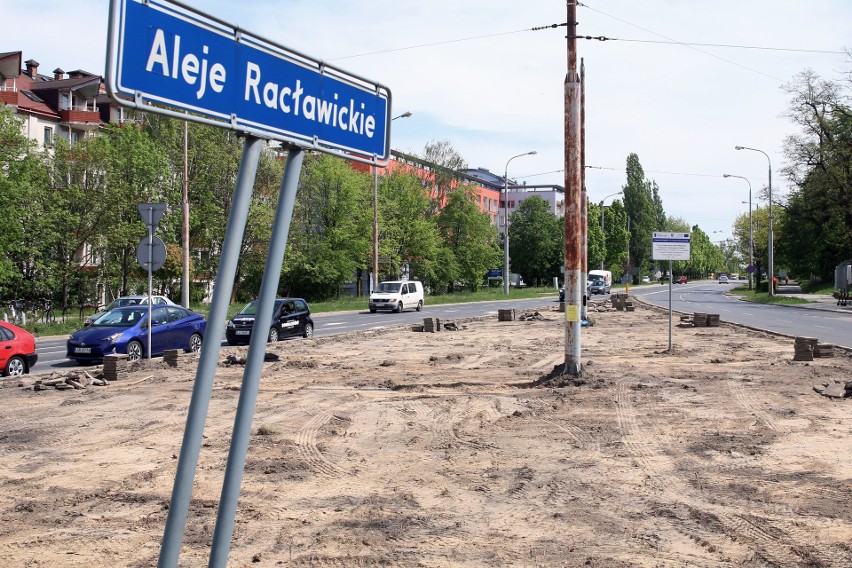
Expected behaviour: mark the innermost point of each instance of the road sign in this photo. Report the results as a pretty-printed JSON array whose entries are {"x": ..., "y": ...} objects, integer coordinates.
[
  {"x": 158, "y": 253},
  {"x": 151, "y": 214},
  {"x": 670, "y": 246},
  {"x": 170, "y": 54}
]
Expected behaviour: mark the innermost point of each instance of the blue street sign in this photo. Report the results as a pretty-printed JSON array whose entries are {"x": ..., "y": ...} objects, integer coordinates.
[{"x": 166, "y": 53}]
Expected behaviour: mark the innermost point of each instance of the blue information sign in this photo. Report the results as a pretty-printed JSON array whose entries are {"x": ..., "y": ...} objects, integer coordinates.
[{"x": 168, "y": 54}]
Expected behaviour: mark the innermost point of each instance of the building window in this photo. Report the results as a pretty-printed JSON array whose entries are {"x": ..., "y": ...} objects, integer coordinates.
[{"x": 48, "y": 136}]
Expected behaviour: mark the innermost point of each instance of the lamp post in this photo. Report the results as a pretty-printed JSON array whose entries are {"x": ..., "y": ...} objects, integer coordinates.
[
  {"x": 406, "y": 114},
  {"x": 602, "y": 220},
  {"x": 750, "y": 229},
  {"x": 771, "y": 247},
  {"x": 506, "y": 220}
]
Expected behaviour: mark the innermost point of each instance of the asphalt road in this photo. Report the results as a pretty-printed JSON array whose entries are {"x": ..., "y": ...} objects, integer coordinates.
[
  {"x": 703, "y": 296},
  {"x": 51, "y": 350},
  {"x": 814, "y": 320}
]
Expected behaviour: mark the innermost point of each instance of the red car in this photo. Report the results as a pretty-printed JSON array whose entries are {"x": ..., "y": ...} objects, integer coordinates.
[
  {"x": 681, "y": 280},
  {"x": 17, "y": 350}
]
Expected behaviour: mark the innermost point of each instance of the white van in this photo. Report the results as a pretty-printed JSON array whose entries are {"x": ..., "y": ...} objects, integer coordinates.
[
  {"x": 397, "y": 295},
  {"x": 600, "y": 281}
]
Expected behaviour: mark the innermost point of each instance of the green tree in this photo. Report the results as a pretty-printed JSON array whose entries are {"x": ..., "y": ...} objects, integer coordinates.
[
  {"x": 471, "y": 237},
  {"x": 407, "y": 231},
  {"x": 445, "y": 163},
  {"x": 818, "y": 216},
  {"x": 15, "y": 160},
  {"x": 644, "y": 208},
  {"x": 535, "y": 241},
  {"x": 328, "y": 238},
  {"x": 616, "y": 237}
]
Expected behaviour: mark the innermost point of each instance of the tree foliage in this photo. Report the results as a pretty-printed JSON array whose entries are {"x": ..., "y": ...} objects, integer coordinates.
[
  {"x": 818, "y": 215},
  {"x": 535, "y": 241},
  {"x": 644, "y": 210},
  {"x": 469, "y": 235}
]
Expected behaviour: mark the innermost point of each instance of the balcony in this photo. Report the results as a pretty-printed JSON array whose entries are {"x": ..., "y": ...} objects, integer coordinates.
[
  {"x": 85, "y": 117},
  {"x": 9, "y": 96}
]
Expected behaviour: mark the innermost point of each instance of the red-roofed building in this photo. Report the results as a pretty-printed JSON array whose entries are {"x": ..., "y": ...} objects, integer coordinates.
[{"x": 63, "y": 104}]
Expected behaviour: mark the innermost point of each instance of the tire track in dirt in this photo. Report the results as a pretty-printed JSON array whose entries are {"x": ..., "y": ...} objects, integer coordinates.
[
  {"x": 749, "y": 402},
  {"x": 307, "y": 444},
  {"x": 760, "y": 533}
]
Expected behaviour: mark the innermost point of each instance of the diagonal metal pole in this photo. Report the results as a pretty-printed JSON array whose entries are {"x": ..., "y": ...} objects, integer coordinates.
[
  {"x": 203, "y": 386},
  {"x": 254, "y": 361}
]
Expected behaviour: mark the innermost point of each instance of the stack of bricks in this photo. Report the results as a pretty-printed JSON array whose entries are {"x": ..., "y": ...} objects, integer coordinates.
[
  {"x": 505, "y": 315},
  {"x": 171, "y": 357},
  {"x": 824, "y": 350},
  {"x": 114, "y": 366},
  {"x": 712, "y": 320},
  {"x": 803, "y": 348},
  {"x": 431, "y": 325},
  {"x": 699, "y": 319}
]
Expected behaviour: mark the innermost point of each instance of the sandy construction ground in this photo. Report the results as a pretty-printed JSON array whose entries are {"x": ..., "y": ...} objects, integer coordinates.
[{"x": 455, "y": 448}]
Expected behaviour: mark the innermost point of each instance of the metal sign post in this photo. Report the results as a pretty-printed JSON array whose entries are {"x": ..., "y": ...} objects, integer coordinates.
[
  {"x": 151, "y": 252},
  {"x": 670, "y": 246},
  {"x": 214, "y": 73}
]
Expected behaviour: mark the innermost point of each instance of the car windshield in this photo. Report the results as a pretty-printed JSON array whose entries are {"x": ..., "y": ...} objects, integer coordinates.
[
  {"x": 250, "y": 309},
  {"x": 389, "y": 287},
  {"x": 120, "y": 302},
  {"x": 121, "y": 317},
  {"x": 596, "y": 279}
]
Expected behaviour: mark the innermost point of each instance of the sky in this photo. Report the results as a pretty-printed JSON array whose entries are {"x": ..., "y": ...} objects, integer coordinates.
[{"x": 476, "y": 74}]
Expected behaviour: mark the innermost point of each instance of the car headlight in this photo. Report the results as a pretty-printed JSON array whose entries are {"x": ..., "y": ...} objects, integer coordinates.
[
  {"x": 112, "y": 338},
  {"x": 230, "y": 324}
]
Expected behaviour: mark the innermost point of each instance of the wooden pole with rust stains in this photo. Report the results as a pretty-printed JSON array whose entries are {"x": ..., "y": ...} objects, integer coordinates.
[{"x": 573, "y": 204}]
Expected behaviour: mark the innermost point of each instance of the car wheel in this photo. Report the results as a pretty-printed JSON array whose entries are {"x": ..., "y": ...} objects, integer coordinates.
[
  {"x": 398, "y": 307},
  {"x": 273, "y": 334},
  {"x": 309, "y": 331},
  {"x": 195, "y": 341},
  {"x": 134, "y": 351},
  {"x": 372, "y": 311},
  {"x": 15, "y": 368}
]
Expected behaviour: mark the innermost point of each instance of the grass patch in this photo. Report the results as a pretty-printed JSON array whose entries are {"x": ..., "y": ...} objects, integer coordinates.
[{"x": 764, "y": 297}]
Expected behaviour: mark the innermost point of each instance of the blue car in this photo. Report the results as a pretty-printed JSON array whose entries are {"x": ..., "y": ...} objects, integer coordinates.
[{"x": 125, "y": 330}]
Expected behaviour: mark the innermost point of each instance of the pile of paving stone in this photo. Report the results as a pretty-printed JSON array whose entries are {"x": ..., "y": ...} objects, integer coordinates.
[
  {"x": 68, "y": 381},
  {"x": 809, "y": 348},
  {"x": 835, "y": 389}
]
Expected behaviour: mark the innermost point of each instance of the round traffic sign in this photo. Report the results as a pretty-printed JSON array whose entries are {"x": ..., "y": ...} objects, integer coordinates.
[{"x": 157, "y": 251}]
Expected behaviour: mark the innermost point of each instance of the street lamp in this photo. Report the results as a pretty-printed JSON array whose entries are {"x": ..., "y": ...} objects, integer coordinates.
[
  {"x": 750, "y": 229},
  {"x": 602, "y": 220},
  {"x": 506, "y": 220},
  {"x": 406, "y": 114},
  {"x": 771, "y": 247}
]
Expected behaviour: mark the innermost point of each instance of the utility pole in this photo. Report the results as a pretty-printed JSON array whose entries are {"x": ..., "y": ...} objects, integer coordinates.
[
  {"x": 584, "y": 198},
  {"x": 573, "y": 202},
  {"x": 185, "y": 211}
]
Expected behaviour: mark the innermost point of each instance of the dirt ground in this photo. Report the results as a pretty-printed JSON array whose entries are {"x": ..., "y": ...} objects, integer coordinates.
[{"x": 455, "y": 448}]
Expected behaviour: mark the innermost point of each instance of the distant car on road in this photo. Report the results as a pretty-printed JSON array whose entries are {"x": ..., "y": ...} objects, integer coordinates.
[
  {"x": 125, "y": 330},
  {"x": 17, "y": 350},
  {"x": 291, "y": 317},
  {"x": 681, "y": 280},
  {"x": 129, "y": 301},
  {"x": 723, "y": 279}
]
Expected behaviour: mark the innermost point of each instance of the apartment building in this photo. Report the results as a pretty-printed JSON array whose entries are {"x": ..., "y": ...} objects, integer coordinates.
[
  {"x": 553, "y": 195},
  {"x": 69, "y": 105}
]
